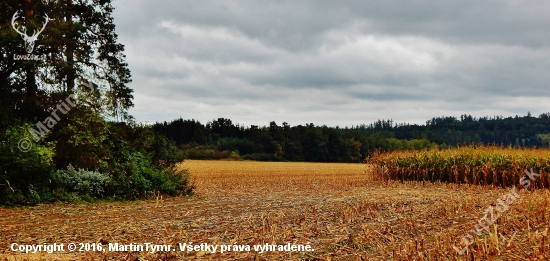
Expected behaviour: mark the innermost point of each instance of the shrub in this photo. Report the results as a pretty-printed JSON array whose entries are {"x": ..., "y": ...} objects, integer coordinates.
[
  {"x": 82, "y": 182},
  {"x": 170, "y": 181},
  {"x": 200, "y": 153},
  {"x": 24, "y": 175},
  {"x": 262, "y": 157},
  {"x": 132, "y": 176},
  {"x": 128, "y": 163},
  {"x": 208, "y": 153}
]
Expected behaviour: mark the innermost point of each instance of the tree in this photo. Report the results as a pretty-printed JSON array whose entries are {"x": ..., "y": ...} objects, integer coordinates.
[
  {"x": 77, "y": 45},
  {"x": 80, "y": 46}
]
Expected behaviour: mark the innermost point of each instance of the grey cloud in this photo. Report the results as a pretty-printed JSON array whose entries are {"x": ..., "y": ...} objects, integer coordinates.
[
  {"x": 335, "y": 62},
  {"x": 298, "y": 24}
]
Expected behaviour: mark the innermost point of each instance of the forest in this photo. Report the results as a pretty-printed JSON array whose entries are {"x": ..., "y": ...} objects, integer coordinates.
[{"x": 221, "y": 138}]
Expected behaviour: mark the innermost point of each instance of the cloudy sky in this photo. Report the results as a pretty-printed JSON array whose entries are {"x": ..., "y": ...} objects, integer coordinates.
[{"x": 335, "y": 62}]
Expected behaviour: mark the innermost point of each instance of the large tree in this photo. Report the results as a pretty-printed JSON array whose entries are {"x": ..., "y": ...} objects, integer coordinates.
[
  {"x": 77, "y": 45},
  {"x": 80, "y": 46}
]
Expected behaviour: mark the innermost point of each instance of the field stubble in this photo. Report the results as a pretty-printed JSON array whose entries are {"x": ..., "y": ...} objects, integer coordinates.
[{"x": 341, "y": 210}]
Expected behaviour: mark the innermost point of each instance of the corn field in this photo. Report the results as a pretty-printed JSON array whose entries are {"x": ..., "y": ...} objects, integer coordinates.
[{"x": 477, "y": 165}]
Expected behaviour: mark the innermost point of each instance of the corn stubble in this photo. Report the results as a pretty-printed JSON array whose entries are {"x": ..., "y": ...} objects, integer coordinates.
[{"x": 344, "y": 211}]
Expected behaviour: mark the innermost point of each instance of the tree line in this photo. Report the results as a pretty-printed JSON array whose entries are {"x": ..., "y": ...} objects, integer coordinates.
[{"x": 221, "y": 138}]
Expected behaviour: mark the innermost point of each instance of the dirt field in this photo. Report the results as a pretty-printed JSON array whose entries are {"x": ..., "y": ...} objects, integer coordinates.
[{"x": 339, "y": 210}]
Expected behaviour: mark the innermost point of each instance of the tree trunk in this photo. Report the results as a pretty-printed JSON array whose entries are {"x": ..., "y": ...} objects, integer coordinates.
[
  {"x": 30, "y": 87},
  {"x": 70, "y": 48}
]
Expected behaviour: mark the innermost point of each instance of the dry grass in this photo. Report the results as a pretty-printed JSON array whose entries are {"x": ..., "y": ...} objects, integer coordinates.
[{"x": 340, "y": 209}]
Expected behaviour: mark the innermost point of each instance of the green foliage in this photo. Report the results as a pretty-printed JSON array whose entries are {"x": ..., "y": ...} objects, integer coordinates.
[
  {"x": 544, "y": 139},
  {"x": 333, "y": 144},
  {"x": 171, "y": 181},
  {"x": 81, "y": 182},
  {"x": 161, "y": 151},
  {"x": 134, "y": 158},
  {"x": 142, "y": 161},
  {"x": 275, "y": 143},
  {"x": 243, "y": 146},
  {"x": 135, "y": 161},
  {"x": 200, "y": 153},
  {"x": 25, "y": 176},
  {"x": 262, "y": 157},
  {"x": 208, "y": 153},
  {"x": 355, "y": 150},
  {"x": 414, "y": 144},
  {"x": 126, "y": 171},
  {"x": 82, "y": 139}
]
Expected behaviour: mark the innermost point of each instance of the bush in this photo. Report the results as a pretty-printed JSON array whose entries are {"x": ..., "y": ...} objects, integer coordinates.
[
  {"x": 200, "y": 153},
  {"x": 81, "y": 182},
  {"x": 129, "y": 163},
  {"x": 208, "y": 153},
  {"x": 262, "y": 157},
  {"x": 133, "y": 176},
  {"x": 24, "y": 176},
  {"x": 170, "y": 181}
]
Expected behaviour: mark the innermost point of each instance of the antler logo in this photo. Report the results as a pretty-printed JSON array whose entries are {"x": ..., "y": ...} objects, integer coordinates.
[{"x": 29, "y": 40}]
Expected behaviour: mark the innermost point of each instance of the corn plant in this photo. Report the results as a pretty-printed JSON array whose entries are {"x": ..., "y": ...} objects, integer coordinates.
[{"x": 484, "y": 165}]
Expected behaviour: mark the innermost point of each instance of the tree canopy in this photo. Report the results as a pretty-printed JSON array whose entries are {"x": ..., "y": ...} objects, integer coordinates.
[
  {"x": 222, "y": 138},
  {"x": 78, "y": 45}
]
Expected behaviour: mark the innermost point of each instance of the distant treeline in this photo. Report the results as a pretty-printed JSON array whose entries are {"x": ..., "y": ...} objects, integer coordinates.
[{"x": 222, "y": 138}]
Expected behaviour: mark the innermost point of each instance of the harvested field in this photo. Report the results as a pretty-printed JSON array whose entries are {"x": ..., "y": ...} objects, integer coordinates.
[{"x": 340, "y": 210}]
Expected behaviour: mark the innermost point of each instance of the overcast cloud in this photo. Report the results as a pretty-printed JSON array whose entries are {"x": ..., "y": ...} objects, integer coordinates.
[{"x": 335, "y": 62}]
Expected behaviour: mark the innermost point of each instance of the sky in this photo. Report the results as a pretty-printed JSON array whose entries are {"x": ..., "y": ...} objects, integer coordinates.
[{"x": 335, "y": 63}]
